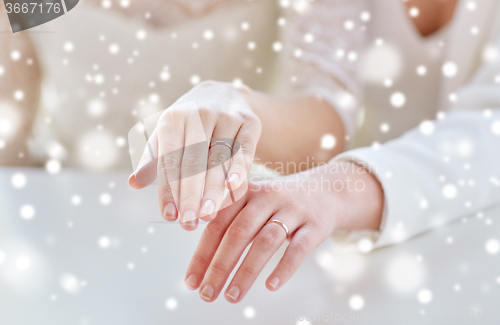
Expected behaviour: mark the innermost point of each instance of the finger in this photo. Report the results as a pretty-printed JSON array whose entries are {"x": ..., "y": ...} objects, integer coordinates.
[
  {"x": 193, "y": 167},
  {"x": 302, "y": 244},
  {"x": 267, "y": 242},
  {"x": 208, "y": 243},
  {"x": 219, "y": 163},
  {"x": 170, "y": 131},
  {"x": 166, "y": 199},
  {"x": 243, "y": 154},
  {"x": 237, "y": 237},
  {"x": 145, "y": 172},
  {"x": 213, "y": 193}
]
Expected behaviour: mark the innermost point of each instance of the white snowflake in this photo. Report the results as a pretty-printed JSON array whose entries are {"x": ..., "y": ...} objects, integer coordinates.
[
  {"x": 449, "y": 69},
  {"x": 356, "y": 302},
  {"x": 104, "y": 242},
  {"x": 27, "y": 212},
  {"x": 424, "y": 296},
  {"x": 398, "y": 99},
  {"x": 492, "y": 246},
  {"x": 18, "y": 180},
  {"x": 249, "y": 312}
]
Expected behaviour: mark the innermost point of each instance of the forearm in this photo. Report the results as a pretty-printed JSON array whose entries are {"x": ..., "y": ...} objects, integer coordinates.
[{"x": 298, "y": 133}]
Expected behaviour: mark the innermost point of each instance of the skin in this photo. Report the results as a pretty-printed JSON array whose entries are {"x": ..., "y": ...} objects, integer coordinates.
[
  {"x": 310, "y": 216},
  {"x": 238, "y": 113},
  {"x": 310, "y": 219},
  {"x": 251, "y": 118},
  {"x": 433, "y": 15}
]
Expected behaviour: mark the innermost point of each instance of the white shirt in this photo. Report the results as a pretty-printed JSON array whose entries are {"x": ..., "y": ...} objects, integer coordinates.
[
  {"x": 357, "y": 54},
  {"x": 368, "y": 56}
]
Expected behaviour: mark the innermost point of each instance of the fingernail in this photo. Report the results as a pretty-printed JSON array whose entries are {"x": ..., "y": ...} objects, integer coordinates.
[
  {"x": 169, "y": 211},
  {"x": 207, "y": 293},
  {"x": 189, "y": 223},
  {"x": 233, "y": 293},
  {"x": 207, "y": 208},
  {"x": 189, "y": 215},
  {"x": 191, "y": 282},
  {"x": 233, "y": 179},
  {"x": 274, "y": 283}
]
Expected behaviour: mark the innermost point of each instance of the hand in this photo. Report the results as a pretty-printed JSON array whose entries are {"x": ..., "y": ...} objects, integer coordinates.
[
  {"x": 189, "y": 187},
  {"x": 353, "y": 200}
]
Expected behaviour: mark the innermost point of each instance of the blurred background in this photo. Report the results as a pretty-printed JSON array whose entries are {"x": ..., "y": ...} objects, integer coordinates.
[
  {"x": 95, "y": 80},
  {"x": 77, "y": 246}
]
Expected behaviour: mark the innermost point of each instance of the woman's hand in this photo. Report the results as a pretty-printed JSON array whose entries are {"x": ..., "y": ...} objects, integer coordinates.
[
  {"x": 311, "y": 204},
  {"x": 211, "y": 110}
]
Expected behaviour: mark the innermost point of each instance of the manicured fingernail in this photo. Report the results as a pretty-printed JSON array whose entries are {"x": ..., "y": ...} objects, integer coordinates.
[
  {"x": 189, "y": 215},
  {"x": 207, "y": 208},
  {"x": 190, "y": 223},
  {"x": 169, "y": 211},
  {"x": 207, "y": 293},
  {"x": 233, "y": 293},
  {"x": 233, "y": 179},
  {"x": 274, "y": 283},
  {"x": 191, "y": 282}
]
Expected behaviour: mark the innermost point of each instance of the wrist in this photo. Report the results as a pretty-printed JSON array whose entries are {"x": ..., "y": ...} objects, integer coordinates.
[{"x": 359, "y": 196}]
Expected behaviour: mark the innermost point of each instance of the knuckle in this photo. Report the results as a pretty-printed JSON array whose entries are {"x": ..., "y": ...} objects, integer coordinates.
[
  {"x": 232, "y": 116},
  {"x": 165, "y": 191},
  {"x": 219, "y": 268},
  {"x": 207, "y": 83},
  {"x": 170, "y": 162},
  {"x": 214, "y": 229},
  {"x": 238, "y": 165},
  {"x": 200, "y": 259},
  {"x": 269, "y": 239},
  {"x": 246, "y": 149},
  {"x": 168, "y": 115},
  {"x": 247, "y": 272},
  {"x": 238, "y": 231},
  {"x": 254, "y": 187},
  {"x": 287, "y": 266},
  {"x": 193, "y": 161},
  {"x": 245, "y": 89},
  {"x": 217, "y": 158},
  {"x": 301, "y": 246},
  {"x": 205, "y": 112}
]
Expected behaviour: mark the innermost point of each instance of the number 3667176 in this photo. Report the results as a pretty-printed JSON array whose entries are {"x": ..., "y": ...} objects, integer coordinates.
[{"x": 33, "y": 7}]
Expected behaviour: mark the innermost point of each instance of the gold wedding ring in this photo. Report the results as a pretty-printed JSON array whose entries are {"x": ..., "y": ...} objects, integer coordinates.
[{"x": 281, "y": 224}]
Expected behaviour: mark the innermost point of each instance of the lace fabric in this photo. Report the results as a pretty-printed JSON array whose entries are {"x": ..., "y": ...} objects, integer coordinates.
[
  {"x": 322, "y": 42},
  {"x": 165, "y": 13}
]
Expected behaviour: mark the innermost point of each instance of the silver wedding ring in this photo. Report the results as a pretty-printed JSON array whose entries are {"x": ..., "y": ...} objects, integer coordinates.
[
  {"x": 276, "y": 221},
  {"x": 221, "y": 143}
]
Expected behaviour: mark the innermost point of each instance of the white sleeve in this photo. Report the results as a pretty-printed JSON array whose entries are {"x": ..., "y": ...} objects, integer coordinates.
[
  {"x": 445, "y": 169},
  {"x": 321, "y": 44}
]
